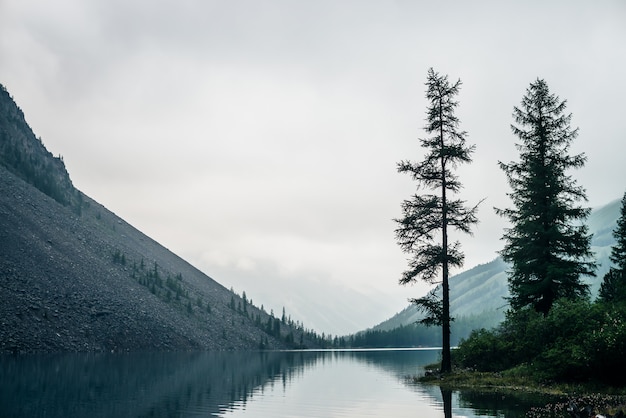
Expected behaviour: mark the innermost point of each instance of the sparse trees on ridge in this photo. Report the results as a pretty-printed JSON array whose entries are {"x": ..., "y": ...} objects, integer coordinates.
[
  {"x": 548, "y": 243},
  {"x": 428, "y": 217}
]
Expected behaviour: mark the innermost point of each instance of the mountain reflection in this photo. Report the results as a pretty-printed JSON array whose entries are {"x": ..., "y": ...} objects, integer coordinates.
[
  {"x": 139, "y": 384},
  {"x": 399, "y": 362},
  {"x": 226, "y": 383}
]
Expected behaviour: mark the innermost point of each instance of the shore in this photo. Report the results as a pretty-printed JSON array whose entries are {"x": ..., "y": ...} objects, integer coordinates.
[{"x": 570, "y": 399}]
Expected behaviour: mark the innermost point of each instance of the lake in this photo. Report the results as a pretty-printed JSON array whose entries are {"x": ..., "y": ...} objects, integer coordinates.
[{"x": 368, "y": 383}]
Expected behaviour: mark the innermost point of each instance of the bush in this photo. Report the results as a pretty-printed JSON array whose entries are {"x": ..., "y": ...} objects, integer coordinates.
[
  {"x": 565, "y": 355},
  {"x": 576, "y": 341},
  {"x": 607, "y": 343},
  {"x": 484, "y": 350}
]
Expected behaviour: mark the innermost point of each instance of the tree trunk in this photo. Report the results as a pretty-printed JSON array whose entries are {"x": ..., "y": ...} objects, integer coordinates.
[{"x": 446, "y": 363}]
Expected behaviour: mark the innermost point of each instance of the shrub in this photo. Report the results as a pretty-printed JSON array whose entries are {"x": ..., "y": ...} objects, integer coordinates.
[
  {"x": 576, "y": 341},
  {"x": 607, "y": 343},
  {"x": 484, "y": 350}
]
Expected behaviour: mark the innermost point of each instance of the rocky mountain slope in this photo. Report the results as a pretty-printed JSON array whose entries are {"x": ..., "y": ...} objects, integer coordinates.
[{"x": 76, "y": 277}]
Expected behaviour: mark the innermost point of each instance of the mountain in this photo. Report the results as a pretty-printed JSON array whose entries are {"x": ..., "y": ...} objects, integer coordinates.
[
  {"x": 25, "y": 155},
  {"x": 76, "y": 277},
  {"x": 478, "y": 295}
]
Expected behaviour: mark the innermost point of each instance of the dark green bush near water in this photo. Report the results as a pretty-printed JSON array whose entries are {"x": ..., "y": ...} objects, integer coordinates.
[{"x": 576, "y": 341}]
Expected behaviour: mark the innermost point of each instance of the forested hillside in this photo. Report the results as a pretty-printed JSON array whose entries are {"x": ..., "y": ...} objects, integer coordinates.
[{"x": 478, "y": 295}]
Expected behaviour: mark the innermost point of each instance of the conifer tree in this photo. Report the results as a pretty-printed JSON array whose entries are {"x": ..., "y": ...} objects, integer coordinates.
[
  {"x": 613, "y": 287},
  {"x": 618, "y": 251},
  {"x": 423, "y": 231},
  {"x": 548, "y": 243}
]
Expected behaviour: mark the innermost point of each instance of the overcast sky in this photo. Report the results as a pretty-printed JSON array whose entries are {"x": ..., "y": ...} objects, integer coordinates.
[{"x": 259, "y": 139}]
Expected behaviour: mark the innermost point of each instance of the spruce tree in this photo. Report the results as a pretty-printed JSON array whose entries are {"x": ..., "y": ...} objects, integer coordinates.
[
  {"x": 548, "y": 243},
  {"x": 427, "y": 217},
  {"x": 613, "y": 287},
  {"x": 618, "y": 251}
]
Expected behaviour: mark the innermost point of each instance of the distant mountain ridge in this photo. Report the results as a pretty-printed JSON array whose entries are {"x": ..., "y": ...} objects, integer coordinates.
[
  {"x": 482, "y": 290},
  {"x": 76, "y": 277}
]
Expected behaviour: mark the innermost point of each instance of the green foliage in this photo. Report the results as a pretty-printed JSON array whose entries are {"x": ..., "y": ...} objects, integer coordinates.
[
  {"x": 433, "y": 308},
  {"x": 484, "y": 350},
  {"x": 576, "y": 341},
  {"x": 419, "y": 335},
  {"x": 413, "y": 335},
  {"x": 548, "y": 243},
  {"x": 566, "y": 354},
  {"x": 608, "y": 343},
  {"x": 618, "y": 251},
  {"x": 613, "y": 287}
]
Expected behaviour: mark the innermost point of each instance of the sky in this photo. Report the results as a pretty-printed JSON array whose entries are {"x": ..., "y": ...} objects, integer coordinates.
[{"x": 259, "y": 140}]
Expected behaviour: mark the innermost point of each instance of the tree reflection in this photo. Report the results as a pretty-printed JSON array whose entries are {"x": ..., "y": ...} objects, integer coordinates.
[
  {"x": 446, "y": 396},
  {"x": 140, "y": 384}
]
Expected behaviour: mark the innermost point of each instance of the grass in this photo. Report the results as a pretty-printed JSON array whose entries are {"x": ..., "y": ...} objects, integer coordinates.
[
  {"x": 518, "y": 378},
  {"x": 599, "y": 397},
  {"x": 466, "y": 379}
]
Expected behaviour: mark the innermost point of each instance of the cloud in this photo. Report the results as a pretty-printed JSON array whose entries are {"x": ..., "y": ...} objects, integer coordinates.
[{"x": 244, "y": 135}]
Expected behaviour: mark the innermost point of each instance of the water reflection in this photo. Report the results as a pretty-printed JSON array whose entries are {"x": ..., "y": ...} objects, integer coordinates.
[
  {"x": 316, "y": 384},
  {"x": 446, "y": 396},
  {"x": 464, "y": 403},
  {"x": 399, "y": 362},
  {"x": 350, "y": 384},
  {"x": 137, "y": 384},
  {"x": 510, "y": 405}
]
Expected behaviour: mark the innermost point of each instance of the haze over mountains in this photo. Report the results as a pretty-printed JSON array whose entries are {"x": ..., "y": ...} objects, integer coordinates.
[
  {"x": 74, "y": 276},
  {"x": 482, "y": 290}
]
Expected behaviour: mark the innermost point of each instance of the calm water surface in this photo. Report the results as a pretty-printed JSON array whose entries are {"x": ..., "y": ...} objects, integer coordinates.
[{"x": 250, "y": 384}]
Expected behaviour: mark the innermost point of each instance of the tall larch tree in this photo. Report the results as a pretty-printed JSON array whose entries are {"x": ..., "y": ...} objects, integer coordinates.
[
  {"x": 548, "y": 243},
  {"x": 613, "y": 287},
  {"x": 427, "y": 218}
]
